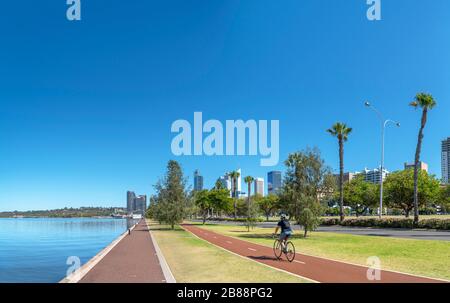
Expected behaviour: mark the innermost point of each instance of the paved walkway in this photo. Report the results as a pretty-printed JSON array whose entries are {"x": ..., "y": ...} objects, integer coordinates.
[
  {"x": 314, "y": 268},
  {"x": 132, "y": 260},
  {"x": 418, "y": 234}
]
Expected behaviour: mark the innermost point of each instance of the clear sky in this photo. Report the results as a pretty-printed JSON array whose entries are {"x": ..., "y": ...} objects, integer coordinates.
[{"x": 86, "y": 107}]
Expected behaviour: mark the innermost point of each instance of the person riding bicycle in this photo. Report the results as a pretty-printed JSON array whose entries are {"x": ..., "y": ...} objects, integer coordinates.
[{"x": 286, "y": 229}]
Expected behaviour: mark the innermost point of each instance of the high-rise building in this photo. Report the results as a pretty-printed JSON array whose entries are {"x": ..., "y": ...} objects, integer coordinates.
[
  {"x": 374, "y": 175},
  {"x": 445, "y": 160},
  {"x": 198, "y": 181},
  {"x": 238, "y": 185},
  {"x": 140, "y": 205},
  {"x": 273, "y": 182},
  {"x": 130, "y": 201},
  {"x": 136, "y": 205},
  {"x": 259, "y": 186},
  {"x": 422, "y": 166}
]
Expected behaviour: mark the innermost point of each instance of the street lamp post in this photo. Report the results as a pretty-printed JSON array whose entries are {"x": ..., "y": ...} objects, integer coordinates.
[{"x": 384, "y": 123}]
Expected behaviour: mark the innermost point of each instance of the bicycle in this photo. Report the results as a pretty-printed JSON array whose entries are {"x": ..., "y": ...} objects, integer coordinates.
[{"x": 288, "y": 249}]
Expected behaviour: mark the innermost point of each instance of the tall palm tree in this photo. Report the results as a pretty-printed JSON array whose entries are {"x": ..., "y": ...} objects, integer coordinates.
[
  {"x": 426, "y": 102},
  {"x": 234, "y": 175},
  {"x": 341, "y": 131},
  {"x": 249, "y": 180}
]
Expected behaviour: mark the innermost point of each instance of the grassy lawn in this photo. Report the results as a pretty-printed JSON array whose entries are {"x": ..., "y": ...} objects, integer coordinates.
[
  {"x": 423, "y": 257},
  {"x": 193, "y": 260}
]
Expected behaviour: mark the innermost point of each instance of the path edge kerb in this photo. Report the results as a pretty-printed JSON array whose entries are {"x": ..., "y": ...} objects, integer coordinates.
[
  {"x": 162, "y": 261},
  {"x": 249, "y": 259},
  {"x": 79, "y": 274}
]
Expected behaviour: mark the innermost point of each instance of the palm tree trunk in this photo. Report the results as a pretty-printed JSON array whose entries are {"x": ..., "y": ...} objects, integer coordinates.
[
  {"x": 248, "y": 204},
  {"x": 234, "y": 198},
  {"x": 416, "y": 166},
  {"x": 341, "y": 179}
]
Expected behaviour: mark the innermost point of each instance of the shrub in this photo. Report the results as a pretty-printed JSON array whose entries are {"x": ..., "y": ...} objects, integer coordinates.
[
  {"x": 308, "y": 220},
  {"x": 329, "y": 221},
  {"x": 389, "y": 222}
]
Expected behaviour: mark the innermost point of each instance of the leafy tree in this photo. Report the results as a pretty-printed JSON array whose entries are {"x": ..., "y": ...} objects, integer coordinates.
[
  {"x": 304, "y": 182},
  {"x": 171, "y": 195},
  {"x": 426, "y": 102},
  {"x": 341, "y": 132},
  {"x": 360, "y": 195},
  {"x": 400, "y": 190},
  {"x": 309, "y": 220},
  {"x": 252, "y": 212},
  {"x": 219, "y": 185},
  {"x": 220, "y": 200},
  {"x": 267, "y": 204},
  {"x": 445, "y": 198},
  {"x": 203, "y": 203}
]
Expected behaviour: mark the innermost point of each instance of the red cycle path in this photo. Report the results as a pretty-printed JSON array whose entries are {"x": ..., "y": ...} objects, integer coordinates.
[
  {"x": 314, "y": 268},
  {"x": 132, "y": 260}
]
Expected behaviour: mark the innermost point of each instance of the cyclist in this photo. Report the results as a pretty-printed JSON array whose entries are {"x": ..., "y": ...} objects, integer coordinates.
[{"x": 286, "y": 230}]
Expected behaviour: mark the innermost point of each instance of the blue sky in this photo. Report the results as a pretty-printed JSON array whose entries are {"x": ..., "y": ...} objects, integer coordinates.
[{"x": 86, "y": 107}]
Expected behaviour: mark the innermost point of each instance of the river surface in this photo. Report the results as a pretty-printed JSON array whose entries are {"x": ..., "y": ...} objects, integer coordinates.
[{"x": 39, "y": 249}]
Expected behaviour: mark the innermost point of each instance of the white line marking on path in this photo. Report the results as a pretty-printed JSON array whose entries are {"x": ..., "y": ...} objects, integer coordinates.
[
  {"x": 252, "y": 249},
  {"x": 229, "y": 242},
  {"x": 299, "y": 262}
]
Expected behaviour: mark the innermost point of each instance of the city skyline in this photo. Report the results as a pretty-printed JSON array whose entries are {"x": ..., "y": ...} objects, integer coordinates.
[{"x": 98, "y": 97}]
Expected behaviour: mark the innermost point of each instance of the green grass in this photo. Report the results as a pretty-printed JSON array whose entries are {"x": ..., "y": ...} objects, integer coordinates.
[
  {"x": 193, "y": 260},
  {"x": 422, "y": 257}
]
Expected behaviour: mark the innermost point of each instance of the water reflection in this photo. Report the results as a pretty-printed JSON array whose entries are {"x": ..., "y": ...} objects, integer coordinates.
[{"x": 36, "y": 249}]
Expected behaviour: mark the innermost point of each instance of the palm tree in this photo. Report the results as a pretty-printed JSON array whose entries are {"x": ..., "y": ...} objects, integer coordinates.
[
  {"x": 249, "y": 180},
  {"x": 341, "y": 131},
  {"x": 426, "y": 102},
  {"x": 234, "y": 175}
]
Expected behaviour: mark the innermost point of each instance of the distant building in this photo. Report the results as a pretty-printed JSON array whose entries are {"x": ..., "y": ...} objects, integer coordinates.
[
  {"x": 130, "y": 201},
  {"x": 136, "y": 204},
  {"x": 347, "y": 177},
  {"x": 422, "y": 166},
  {"x": 274, "y": 182},
  {"x": 259, "y": 186},
  {"x": 198, "y": 181},
  {"x": 238, "y": 185},
  {"x": 445, "y": 160},
  {"x": 140, "y": 205},
  {"x": 374, "y": 175}
]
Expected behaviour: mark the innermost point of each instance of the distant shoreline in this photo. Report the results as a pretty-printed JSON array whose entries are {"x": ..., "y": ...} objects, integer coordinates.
[
  {"x": 81, "y": 212},
  {"x": 50, "y": 217}
]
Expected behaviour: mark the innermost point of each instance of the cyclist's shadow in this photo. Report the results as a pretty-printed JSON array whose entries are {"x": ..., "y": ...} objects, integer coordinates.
[{"x": 263, "y": 258}]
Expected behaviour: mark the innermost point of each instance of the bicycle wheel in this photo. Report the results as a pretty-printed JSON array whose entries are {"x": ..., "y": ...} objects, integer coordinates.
[
  {"x": 290, "y": 251},
  {"x": 277, "y": 249}
]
